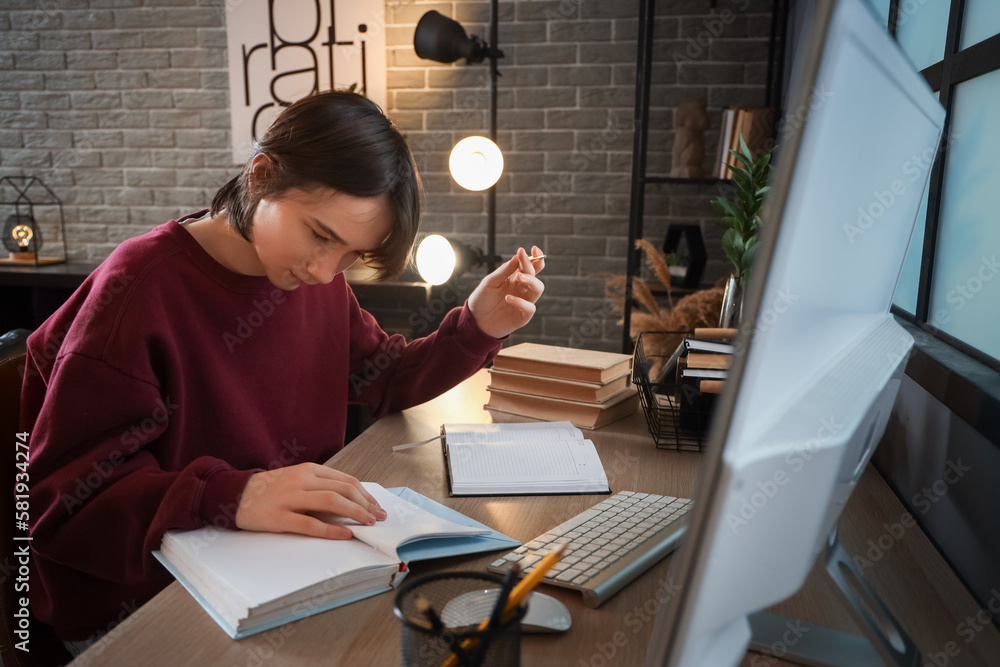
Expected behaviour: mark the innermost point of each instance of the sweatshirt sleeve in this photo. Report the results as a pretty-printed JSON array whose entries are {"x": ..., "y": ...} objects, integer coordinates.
[
  {"x": 389, "y": 374},
  {"x": 95, "y": 478}
]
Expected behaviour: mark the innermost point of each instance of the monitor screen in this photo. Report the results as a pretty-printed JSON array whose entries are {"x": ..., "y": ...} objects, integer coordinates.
[{"x": 818, "y": 357}]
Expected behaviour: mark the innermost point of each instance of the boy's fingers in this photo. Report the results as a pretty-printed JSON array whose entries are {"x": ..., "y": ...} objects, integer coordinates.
[
  {"x": 310, "y": 525},
  {"x": 352, "y": 487},
  {"x": 538, "y": 264},
  {"x": 503, "y": 272},
  {"x": 524, "y": 263},
  {"x": 526, "y": 307}
]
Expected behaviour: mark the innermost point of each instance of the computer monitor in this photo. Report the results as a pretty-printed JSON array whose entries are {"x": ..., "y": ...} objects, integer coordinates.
[{"x": 819, "y": 358}]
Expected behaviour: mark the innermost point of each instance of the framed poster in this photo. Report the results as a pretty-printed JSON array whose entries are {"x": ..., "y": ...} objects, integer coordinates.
[{"x": 282, "y": 50}]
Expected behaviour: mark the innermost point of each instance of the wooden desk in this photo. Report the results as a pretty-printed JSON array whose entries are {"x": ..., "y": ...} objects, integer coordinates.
[{"x": 172, "y": 629}]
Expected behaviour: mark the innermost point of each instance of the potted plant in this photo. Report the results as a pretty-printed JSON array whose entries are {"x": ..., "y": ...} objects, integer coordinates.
[{"x": 742, "y": 216}]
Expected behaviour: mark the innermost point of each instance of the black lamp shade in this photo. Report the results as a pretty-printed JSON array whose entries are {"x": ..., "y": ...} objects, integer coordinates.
[
  {"x": 20, "y": 234},
  {"x": 444, "y": 40}
]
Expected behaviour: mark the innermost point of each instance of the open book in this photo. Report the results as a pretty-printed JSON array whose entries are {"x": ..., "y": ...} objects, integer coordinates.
[
  {"x": 516, "y": 459},
  {"x": 250, "y": 581}
]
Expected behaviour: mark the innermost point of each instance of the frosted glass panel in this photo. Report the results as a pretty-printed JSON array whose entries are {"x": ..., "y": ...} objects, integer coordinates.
[
  {"x": 882, "y": 9},
  {"x": 965, "y": 288},
  {"x": 921, "y": 26},
  {"x": 909, "y": 279},
  {"x": 981, "y": 20}
]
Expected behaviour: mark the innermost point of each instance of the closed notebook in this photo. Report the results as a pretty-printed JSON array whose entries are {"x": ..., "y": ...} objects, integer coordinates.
[
  {"x": 518, "y": 459},
  {"x": 581, "y": 414},
  {"x": 567, "y": 363},
  {"x": 252, "y": 581}
]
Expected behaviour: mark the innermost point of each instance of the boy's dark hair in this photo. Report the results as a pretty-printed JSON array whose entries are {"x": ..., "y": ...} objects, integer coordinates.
[{"x": 339, "y": 140}]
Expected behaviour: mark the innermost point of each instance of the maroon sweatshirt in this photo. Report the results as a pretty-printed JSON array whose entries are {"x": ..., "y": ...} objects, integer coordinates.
[{"x": 167, "y": 380}]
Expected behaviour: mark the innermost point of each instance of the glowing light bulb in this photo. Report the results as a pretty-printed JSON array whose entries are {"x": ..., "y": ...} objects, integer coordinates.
[
  {"x": 476, "y": 163},
  {"x": 435, "y": 259},
  {"x": 22, "y": 234}
]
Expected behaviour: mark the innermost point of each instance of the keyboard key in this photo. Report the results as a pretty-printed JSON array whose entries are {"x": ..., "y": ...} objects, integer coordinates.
[
  {"x": 529, "y": 561},
  {"x": 569, "y": 575}
]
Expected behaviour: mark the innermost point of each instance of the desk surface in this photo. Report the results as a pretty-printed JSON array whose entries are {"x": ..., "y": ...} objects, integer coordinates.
[{"x": 912, "y": 578}]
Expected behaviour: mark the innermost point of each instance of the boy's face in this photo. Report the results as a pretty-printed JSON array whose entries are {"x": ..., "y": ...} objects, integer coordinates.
[{"x": 308, "y": 237}]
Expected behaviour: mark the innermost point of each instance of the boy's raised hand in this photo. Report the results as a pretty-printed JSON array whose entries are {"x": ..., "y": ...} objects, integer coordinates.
[
  {"x": 505, "y": 300},
  {"x": 282, "y": 500}
]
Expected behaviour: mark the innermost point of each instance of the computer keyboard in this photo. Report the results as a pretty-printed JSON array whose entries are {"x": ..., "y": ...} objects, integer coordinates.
[{"x": 610, "y": 544}]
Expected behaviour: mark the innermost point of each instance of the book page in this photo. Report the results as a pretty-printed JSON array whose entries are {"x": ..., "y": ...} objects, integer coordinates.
[
  {"x": 533, "y": 464},
  {"x": 405, "y": 523},
  {"x": 534, "y": 431}
]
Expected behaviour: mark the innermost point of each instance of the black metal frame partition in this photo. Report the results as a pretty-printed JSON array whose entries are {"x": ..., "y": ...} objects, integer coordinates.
[
  {"x": 956, "y": 67},
  {"x": 640, "y": 133}
]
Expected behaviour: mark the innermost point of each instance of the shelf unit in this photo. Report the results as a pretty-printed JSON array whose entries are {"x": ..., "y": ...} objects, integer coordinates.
[{"x": 640, "y": 179}]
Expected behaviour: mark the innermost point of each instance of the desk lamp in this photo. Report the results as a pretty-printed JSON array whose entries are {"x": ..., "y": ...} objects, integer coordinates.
[
  {"x": 476, "y": 162},
  {"x": 439, "y": 259}
]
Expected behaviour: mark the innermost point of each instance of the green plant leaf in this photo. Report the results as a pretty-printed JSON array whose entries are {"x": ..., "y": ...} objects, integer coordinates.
[
  {"x": 728, "y": 208},
  {"x": 742, "y": 157},
  {"x": 732, "y": 246},
  {"x": 749, "y": 252},
  {"x": 762, "y": 190},
  {"x": 743, "y": 145}
]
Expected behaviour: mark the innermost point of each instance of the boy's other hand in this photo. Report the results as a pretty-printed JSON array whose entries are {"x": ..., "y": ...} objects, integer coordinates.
[{"x": 505, "y": 300}]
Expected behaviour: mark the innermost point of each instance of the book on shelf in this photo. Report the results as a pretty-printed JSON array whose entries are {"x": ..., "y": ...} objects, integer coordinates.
[
  {"x": 518, "y": 459},
  {"x": 757, "y": 127},
  {"x": 251, "y": 581},
  {"x": 566, "y": 363},
  {"x": 573, "y": 390},
  {"x": 580, "y": 413},
  {"x": 725, "y": 141}
]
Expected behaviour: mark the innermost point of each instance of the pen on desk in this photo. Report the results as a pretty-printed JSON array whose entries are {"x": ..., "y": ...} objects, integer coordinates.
[{"x": 517, "y": 596}]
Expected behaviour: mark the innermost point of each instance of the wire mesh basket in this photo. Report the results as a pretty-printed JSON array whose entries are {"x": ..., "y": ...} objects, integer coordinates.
[
  {"x": 458, "y": 603},
  {"x": 676, "y": 415}
]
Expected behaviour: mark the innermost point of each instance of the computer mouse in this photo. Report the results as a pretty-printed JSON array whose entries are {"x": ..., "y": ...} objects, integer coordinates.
[{"x": 545, "y": 613}]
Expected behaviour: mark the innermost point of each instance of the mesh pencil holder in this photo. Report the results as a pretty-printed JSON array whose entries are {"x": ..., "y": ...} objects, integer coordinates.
[
  {"x": 677, "y": 417},
  {"x": 460, "y": 602}
]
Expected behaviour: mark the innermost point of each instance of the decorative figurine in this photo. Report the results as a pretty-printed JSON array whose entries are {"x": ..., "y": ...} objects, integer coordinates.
[{"x": 690, "y": 123}]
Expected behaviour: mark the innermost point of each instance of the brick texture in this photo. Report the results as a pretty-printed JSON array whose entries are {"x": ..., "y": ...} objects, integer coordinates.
[{"x": 122, "y": 107}]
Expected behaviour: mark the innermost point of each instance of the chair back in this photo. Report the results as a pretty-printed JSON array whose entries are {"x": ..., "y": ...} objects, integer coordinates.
[{"x": 45, "y": 649}]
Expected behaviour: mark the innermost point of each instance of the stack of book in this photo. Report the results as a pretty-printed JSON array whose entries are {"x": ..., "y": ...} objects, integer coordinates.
[
  {"x": 585, "y": 387},
  {"x": 755, "y": 124},
  {"x": 699, "y": 367}
]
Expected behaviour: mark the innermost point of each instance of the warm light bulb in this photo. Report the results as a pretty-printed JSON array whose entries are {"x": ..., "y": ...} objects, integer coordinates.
[
  {"x": 435, "y": 259},
  {"x": 476, "y": 163},
  {"x": 22, "y": 234}
]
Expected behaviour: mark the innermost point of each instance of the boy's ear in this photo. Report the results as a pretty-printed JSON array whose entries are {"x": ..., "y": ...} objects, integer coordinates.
[{"x": 261, "y": 172}]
